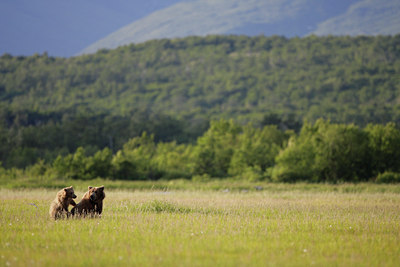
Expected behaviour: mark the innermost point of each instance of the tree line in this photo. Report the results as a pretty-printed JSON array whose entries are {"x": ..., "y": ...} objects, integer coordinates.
[
  {"x": 27, "y": 136},
  {"x": 320, "y": 152}
]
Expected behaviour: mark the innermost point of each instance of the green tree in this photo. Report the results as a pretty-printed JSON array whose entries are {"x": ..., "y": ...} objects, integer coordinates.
[
  {"x": 297, "y": 161},
  {"x": 256, "y": 149},
  {"x": 73, "y": 165},
  {"x": 100, "y": 164},
  {"x": 214, "y": 150},
  {"x": 174, "y": 161},
  {"x": 384, "y": 145},
  {"x": 342, "y": 153},
  {"x": 135, "y": 160},
  {"x": 325, "y": 152}
]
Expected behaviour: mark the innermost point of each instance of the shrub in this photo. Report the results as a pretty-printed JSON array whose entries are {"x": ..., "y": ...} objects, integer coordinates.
[
  {"x": 341, "y": 153},
  {"x": 295, "y": 163},
  {"x": 201, "y": 178},
  {"x": 214, "y": 150},
  {"x": 256, "y": 149},
  {"x": 388, "y": 177},
  {"x": 253, "y": 174},
  {"x": 384, "y": 144},
  {"x": 325, "y": 152}
]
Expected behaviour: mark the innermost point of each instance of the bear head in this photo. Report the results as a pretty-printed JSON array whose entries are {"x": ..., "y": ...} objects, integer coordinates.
[
  {"x": 96, "y": 193},
  {"x": 68, "y": 192}
]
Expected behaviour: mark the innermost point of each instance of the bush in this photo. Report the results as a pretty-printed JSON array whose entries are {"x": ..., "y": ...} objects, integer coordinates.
[
  {"x": 214, "y": 150},
  {"x": 388, "y": 177},
  {"x": 342, "y": 153},
  {"x": 37, "y": 169},
  {"x": 325, "y": 152},
  {"x": 384, "y": 144},
  {"x": 253, "y": 174},
  {"x": 296, "y": 162},
  {"x": 201, "y": 178},
  {"x": 256, "y": 149},
  {"x": 136, "y": 160},
  {"x": 79, "y": 166}
]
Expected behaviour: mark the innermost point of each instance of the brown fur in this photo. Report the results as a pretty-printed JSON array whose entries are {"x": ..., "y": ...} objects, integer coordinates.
[
  {"x": 59, "y": 206},
  {"x": 91, "y": 202}
]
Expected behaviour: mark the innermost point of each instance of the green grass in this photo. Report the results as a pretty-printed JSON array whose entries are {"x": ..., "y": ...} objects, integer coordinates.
[{"x": 281, "y": 225}]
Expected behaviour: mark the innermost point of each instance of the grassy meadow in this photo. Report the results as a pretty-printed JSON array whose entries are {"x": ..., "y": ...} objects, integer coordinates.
[{"x": 179, "y": 225}]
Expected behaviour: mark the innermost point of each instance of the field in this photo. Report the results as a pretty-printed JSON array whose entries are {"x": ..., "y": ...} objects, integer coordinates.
[{"x": 276, "y": 225}]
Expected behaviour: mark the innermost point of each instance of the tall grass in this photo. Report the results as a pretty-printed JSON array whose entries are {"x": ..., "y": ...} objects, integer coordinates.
[
  {"x": 231, "y": 184},
  {"x": 205, "y": 228}
]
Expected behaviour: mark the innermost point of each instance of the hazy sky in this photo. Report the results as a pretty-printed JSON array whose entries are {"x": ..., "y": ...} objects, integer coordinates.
[{"x": 63, "y": 28}]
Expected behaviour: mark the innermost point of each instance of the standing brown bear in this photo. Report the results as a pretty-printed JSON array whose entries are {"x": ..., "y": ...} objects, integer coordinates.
[
  {"x": 92, "y": 202},
  {"x": 59, "y": 206}
]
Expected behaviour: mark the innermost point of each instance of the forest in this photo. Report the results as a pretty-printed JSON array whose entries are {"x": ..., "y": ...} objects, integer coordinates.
[
  {"x": 320, "y": 152},
  {"x": 284, "y": 109}
]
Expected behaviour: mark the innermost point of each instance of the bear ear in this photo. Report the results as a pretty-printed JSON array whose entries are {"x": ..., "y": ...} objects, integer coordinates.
[
  {"x": 101, "y": 188},
  {"x": 90, "y": 187}
]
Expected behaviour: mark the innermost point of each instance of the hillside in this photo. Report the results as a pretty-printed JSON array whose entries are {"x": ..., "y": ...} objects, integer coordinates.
[
  {"x": 341, "y": 78},
  {"x": 172, "y": 88},
  {"x": 284, "y": 17}
]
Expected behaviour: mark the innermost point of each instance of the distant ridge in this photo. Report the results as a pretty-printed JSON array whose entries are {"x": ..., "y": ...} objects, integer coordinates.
[
  {"x": 368, "y": 17},
  {"x": 253, "y": 17}
]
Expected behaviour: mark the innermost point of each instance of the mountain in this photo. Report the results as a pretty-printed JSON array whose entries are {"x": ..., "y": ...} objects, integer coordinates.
[
  {"x": 253, "y": 17},
  {"x": 66, "y": 28},
  {"x": 368, "y": 17}
]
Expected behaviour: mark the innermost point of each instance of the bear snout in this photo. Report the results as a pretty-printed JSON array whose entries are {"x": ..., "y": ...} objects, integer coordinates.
[
  {"x": 74, "y": 196},
  {"x": 93, "y": 197}
]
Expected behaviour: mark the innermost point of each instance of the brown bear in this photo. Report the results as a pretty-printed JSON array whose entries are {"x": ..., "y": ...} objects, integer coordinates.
[
  {"x": 91, "y": 202},
  {"x": 59, "y": 206}
]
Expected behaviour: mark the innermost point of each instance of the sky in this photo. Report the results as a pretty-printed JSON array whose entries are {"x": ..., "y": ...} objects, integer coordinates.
[{"x": 63, "y": 28}]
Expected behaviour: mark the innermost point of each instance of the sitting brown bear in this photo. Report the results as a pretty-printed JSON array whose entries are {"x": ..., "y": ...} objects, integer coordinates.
[
  {"x": 91, "y": 203},
  {"x": 59, "y": 206}
]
